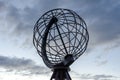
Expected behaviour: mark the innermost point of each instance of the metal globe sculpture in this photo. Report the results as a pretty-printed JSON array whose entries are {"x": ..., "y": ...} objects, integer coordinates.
[{"x": 60, "y": 37}]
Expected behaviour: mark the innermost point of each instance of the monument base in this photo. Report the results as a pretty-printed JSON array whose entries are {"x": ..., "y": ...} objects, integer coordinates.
[{"x": 60, "y": 74}]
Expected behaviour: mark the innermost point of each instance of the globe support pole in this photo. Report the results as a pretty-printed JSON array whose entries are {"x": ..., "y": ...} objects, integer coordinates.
[{"x": 60, "y": 74}]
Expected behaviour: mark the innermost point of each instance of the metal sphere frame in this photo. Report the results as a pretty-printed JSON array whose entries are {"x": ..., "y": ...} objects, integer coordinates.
[{"x": 60, "y": 37}]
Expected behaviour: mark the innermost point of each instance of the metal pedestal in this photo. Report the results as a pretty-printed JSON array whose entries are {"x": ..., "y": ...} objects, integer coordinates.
[{"x": 60, "y": 74}]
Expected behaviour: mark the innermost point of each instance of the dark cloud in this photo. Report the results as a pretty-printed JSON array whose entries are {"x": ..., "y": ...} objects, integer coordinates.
[
  {"x": 102, "y": 17},
  {"x": 27, "y": 67},
  {"x": 106, "y": 21},
  {"x": 2, "y": 6},
  {"x": 22, "y": 66},
  {"x": 26, "y": 17}
]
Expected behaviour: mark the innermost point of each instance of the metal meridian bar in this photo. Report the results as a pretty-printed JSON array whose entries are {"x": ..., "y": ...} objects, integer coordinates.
[
  {"x": 43, "y": 47},
  {"x": 61, "y": 38}
]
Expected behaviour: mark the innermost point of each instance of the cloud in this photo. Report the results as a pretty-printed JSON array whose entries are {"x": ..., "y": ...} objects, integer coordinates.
[
  {"x": 2, "y": 6},
  {"x": 22, "y": 66},
  {"x": 93, "y": 77},
  {"x": 18, "y": 19},
  {"x": 98, "y": 77},
  {"x": 113, "y": 46},
  {"x": 102, "y": 17},
  {"x": 102, "y": 62},
  {"x": 106, "y": 21},
  {"x": 28, "y": 67},
  {"x": 25, "y": 17}
]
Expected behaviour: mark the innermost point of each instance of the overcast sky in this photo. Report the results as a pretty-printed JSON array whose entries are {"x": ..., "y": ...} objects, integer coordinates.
[{"x": 19, "y": 59}]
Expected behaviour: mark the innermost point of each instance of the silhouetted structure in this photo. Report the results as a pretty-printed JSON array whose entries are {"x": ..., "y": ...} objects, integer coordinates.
[{"x": 60, "y": 37}]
